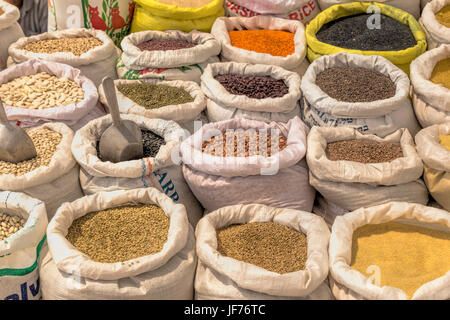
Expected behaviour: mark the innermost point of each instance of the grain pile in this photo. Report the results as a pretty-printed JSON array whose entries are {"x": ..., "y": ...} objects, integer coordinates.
[
  {"x": 364, "y": 151},
  {"x": 443, "y": 16},
  {"x": 274, "y": 42},
  {"x": 1, "y": 11},
  {"x": 9, "y": 225},
  {"x": 77, "y": 46},
  {"x": 444, "y": 140},
  {"x": 165, "y": 44},
  {"x": 441, "y": 73}
]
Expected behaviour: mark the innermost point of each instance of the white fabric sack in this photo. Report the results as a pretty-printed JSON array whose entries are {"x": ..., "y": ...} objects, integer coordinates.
[
  {"x": 68, "y": 274},
  {"x": 222, "y": 25},
  {"x": 221, "y": 277},
  {"x": 95, "y": 64},
  {"x": 279, "y": 181},
  {"x": 223, "y": 105},
  {"x": 69, "y": 114},
  {"x": 423, "y": 3},
  {"x": 160, "y": 172},
  {"x": 19, "y": 253},
  {"x": 10, "y": 30},
  {"x": 381, "y": 117},
  {"x": 431, "y": 101},
  {"x": 352, "y": 185},
  {"x": 327, "y": 210},
  {"x": 349, "y": 284},
  {"x": 54, "y": 184},
  {"x": 437, "y": 33}
]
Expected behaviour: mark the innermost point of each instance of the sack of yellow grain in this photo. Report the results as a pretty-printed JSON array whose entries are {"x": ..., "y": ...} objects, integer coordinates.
[
  {"x": 436, "y": 27},
  {"x": 10, "y": 30}
]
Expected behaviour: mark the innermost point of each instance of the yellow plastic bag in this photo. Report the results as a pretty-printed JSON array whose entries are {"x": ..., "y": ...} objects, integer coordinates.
[
  {"x": 401, "y": 58},
  {"x": 179, "y": 13},
  {"x": 438, "y": 183}
]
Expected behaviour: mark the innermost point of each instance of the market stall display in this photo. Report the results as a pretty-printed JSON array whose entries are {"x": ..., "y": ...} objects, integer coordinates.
[
  {"x": 435, "y": 20},
  {"x": 10, "y": 30}
]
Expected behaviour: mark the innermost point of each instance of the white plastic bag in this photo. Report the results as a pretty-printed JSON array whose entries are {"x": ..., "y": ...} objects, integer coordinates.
[
  {"x": 437, "y": 33},
  {"x": 270, "y": 6},
  {"x": 68, "y": 274},
  {"x": 10, "y": 30}
]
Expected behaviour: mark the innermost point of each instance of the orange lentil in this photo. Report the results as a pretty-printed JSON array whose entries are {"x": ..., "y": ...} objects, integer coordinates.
[{"x": 273, "y": 42}]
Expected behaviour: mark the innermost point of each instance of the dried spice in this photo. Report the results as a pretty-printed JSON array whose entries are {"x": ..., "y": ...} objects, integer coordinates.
[
  {"x": 77, "y": 46},
  {"x": 441, "y": 73},
  {"x": 268, "y": 245},
  {"x": 273, "y": 42},
  {"x": 1, "y": 11},
  {"x": 352, "y": 33},
  {"x": 443, "y": 16},
  {"x": 120, "y": 234},
  {"x": 165, "y": 44},
  {"x": 10, "y": 225},
  {"x": 444, "y": 140},
  {"x": 256, "y": 87},
  {"x": 365, "y": 151},
  {"x": 153, "y": 96},
  {"x": 355, "y": 84},
  {"x": 245, "y": 143},
  {"x": 407, "y": 256}
]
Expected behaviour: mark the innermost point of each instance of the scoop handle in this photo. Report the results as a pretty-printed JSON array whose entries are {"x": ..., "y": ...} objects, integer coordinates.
[
  {"x": 110, "y": 93},
  {"x": 3, "y": 117}
]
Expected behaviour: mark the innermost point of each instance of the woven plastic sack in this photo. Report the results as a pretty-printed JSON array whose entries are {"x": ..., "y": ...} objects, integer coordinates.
[
  {"x": 436, "y": 160},
  {"x": 68, "y": 274},
  {"x": 280, "y": 180},
  {"x": 223, "y": 105},
  {"x": 10, "y": 30},
  {"x": 431, "y": 101},
  {"x": 437, "y": 33},
  {"x": 220, "y": 277},
  {"x": 19, "y": 253},
  {"x": 349, "y": 284},
  {"x": 52, "y": 184},
  {"x": 381, "y": 117},
  {"x": 160, "y": 171},
  {"x": 95, "y": 64},
  {"x": 401, "y": 59}
]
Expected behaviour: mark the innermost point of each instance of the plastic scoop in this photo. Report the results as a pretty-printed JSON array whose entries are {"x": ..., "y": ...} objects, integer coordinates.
[
  {"x": 15, "y": 144},
  {"x": 122, "y": 141}
]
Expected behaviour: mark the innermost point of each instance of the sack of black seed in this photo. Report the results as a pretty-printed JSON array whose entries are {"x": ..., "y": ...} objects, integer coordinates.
[
  {"x": 367, "y": 93},
  {"x": 351, "y": 170},
  {"x": 436, "y": 28},
  {"x": 156, "y": 169},
  {"x": 258, "y": 92}
]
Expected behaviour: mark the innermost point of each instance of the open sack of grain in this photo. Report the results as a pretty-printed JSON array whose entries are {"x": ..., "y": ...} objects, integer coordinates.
[
  {"x": 393, "y": 251},
  {"x": 367, "y": 93},
  {"x": 256, "y": 252},
  {"x": 52, "y": 176},
  {"x": 168, "y": 55},
  {"x": 431, "y": 86},
  {"x": 157, "y": 168},
  {"x": 393, "y": 33},
  {"x": 269, "y": 169},
  {"x": 433, "y": 147},
  {"x": 10, "y": 30},
  {"x": 154, "y": 259},
  {"x": 184, "y": 15},
  {"x": 352, "y": 170},
  {"x": 263, "y": 40},
  {"x": 22, "y": 234},
  {"x": 258, "y": 92},
  {"x": 91, "y": 51},
  {"x": 435, "y": 20}
]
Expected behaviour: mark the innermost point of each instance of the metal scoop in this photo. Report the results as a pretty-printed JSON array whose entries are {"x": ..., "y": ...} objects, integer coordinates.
[
  {"x": 122, "y": 141},
  {"x": 15, "y": 144}
]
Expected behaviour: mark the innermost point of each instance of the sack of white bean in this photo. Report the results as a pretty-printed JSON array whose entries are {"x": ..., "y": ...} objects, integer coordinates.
[
  {"x": 378, "y": 112},
  {"x": 89, "y": 50},
  {"x": 157, "y": 168},
  {"x": 280, "y": 103},
  {"x": 352, "y": 170},
  {"x": 278, "y": 180},
  {"x": 23, "y": 222},
  {"x": 231, "y": 267},
  {"x": 436, "y": 32},
  {"x": 157, "y": 262},
  {"x": 10, "y": 30}
]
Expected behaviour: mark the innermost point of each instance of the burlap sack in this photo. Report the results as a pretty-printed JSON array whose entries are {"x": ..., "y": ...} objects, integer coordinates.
[
  {"x": 10, "y": 30},
  {"x": 437, "y": 33}
]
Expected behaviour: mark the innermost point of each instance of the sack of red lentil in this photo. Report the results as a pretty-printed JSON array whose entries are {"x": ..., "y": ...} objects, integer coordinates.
[
  {"x": 22, "y": 235},
  {"x": 433, "y": 147},
  {"x": 102, "y": 270},
  {"x": 168, "y": 55},
  {"x": 272, "y": 95},
  {"x": 158, "y": 169},
  {"x": 393, "y": 251},
  {"x": 113, "y": 18},
  {"x": 52, "y": 176},
  {"x": 374, "y": 98},
  {"x": 94, "y": 54},
  {"x": 279, "y": 179},
  {"x": 432, "y": 20},
  {"x": 304, "y": 11},
  {"x": 10, "y": 29},
  {"x": 352, "y": 170},
  {"x": 431, "y": 86},
  {"x": 257, "y": 276},
  {"x": 286, "y": 55}
]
